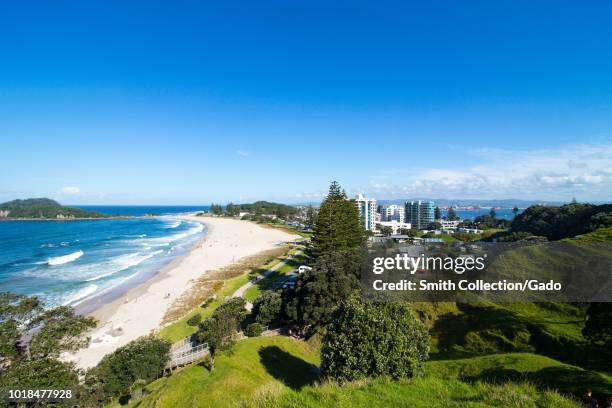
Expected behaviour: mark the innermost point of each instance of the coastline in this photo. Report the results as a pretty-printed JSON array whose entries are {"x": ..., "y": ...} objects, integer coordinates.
[{"x": 141, "y": 309}]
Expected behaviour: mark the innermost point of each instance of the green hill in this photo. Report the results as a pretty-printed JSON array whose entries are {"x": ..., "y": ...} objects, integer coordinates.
[
  {"x": 282, "y": 372},
  {"x": 43, "y": 208}
]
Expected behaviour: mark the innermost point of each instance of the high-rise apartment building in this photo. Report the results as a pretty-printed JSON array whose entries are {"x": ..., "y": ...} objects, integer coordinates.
[
  {"x": 419, "y": 213},
  {"x": 367, "y": 211},
  {"x": 392, "y": 213}
]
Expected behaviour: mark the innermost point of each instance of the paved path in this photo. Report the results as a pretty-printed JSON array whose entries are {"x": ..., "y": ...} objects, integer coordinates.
[{"x": 240, "y": 291}]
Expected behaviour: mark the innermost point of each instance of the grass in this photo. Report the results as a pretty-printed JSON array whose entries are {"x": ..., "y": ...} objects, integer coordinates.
[
  {"x": 254, "y": 366},
  {"x": 180, "y": 329},
  {"x": 421, "y": 392},
  {"x": 544, "y": 372},
  {"x": 282, "y": 372},
  {"x": 245, "y": 271}
]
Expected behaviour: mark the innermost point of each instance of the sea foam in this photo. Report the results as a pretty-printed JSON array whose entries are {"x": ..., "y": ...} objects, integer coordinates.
[{"x": 60, "y": 260}]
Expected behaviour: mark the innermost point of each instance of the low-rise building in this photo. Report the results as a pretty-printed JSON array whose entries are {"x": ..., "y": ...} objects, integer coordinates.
[
  {"x": 392, "y": 213},
  {"x": 450, "y": 225},
  {"x": 469, "y": 230},
  {"x": 395, "y": 226}
]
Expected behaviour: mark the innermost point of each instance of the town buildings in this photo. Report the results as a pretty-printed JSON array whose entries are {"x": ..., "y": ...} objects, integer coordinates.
[
  {"x": 367, "y": 211},
  {"x": 419, "y": 213}
]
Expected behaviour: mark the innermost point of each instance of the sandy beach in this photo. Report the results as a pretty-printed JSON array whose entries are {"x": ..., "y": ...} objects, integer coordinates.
[{"x": 141, "y": 310}]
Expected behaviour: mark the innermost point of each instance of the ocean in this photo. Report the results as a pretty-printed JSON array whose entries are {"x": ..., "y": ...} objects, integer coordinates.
[{"x": 73, "y": 262}]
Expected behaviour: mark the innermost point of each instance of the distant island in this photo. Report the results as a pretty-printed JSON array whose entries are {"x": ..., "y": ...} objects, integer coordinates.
[{"x": 44, "y": 209}]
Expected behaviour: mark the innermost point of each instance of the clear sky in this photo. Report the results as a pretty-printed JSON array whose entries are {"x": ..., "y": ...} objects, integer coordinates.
[{"x": 192, "y": 102}]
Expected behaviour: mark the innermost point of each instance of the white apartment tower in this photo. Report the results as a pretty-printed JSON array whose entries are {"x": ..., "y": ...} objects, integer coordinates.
[
  {"x": 393, "y": 213},
  {"x": 367, "y": 211}
]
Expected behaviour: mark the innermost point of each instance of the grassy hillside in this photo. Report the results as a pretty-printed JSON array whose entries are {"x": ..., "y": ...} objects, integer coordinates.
[
  {"x": 282, "y": 372},
  {"x": 43, "y": 208},
  {"x": 255, "y": 366}
]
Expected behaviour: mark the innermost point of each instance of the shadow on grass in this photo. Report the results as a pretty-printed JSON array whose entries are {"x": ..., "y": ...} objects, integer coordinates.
[
  {"x": 480, "y": 330},
  {"x": 568, "y": 380},
  {"x": 292, "y": 371}
]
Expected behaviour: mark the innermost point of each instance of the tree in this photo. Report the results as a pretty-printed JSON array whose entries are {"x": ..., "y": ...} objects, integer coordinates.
[
  {"x": 310, "y": 216},
  {"x": 194, "y": 320},
  {"x": 492, "y": 213},
  {"x": 254, "y": 330},
  {"x": 60, "y": 329},
  {"x": 561, "y": 222},
  {"x": 437, "y": 213},
  {"x": 333, "y": 278},
  {"x": 386, "y": 231},
  {"x": 47, "y": 373},
  {"x": 515, "y": 211},
  {"x": 267, "y": 307},
  {"x": 218, "y": 330},
  {"x": 435, "y": 225},
  {"x": 15, "y": 312},
  {"x": 598, "y": 323},
  {"x": 452, "y": 215},
  {"x": 410, "y": 232},
  {"x": 216, "y": 209},
  {"x": 371, "y": 339},
  {"x": 141, "y": 359},
  {"x": 338, "y": 226}
]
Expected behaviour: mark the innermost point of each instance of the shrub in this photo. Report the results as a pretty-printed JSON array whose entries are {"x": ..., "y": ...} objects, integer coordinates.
[
  {"x": 194, "y": 320},
  {"x": 253, "y": 330},
  {"x": 142, "y": 359},
  {"x": 267, "y": 307},
  {"x": 367, "y": 339}
]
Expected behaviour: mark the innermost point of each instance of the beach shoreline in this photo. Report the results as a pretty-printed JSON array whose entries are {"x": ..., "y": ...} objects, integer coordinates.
[{"x": 140, "y": 311}]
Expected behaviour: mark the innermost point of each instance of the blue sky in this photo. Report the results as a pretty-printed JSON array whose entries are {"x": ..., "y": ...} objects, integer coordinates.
[{"x": 193, "y": 102}]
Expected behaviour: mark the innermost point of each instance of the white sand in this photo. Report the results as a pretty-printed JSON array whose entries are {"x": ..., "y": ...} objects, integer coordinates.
[{"x": 142, "y": 309}]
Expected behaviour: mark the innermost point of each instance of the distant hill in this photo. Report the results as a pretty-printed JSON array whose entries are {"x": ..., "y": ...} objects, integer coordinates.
[
  {"x": 43, "y": 208},
  {"x": 564, "y": 221}
]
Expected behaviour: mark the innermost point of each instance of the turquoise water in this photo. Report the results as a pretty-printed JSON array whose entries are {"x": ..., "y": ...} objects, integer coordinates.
[{"x": 72, "y": 262}]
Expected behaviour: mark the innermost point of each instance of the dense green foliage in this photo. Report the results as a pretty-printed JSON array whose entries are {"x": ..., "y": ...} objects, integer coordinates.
[
  {"x": 451, "y": 214},
  {"x": 565, "y": 221},
  {"x": 253, "y": 330},
  {"x": 61, "y": 330},
  {"x": 257, "y": 208},
  {"x": 43, "y": 208},
  {"x": 267, "y": 308},
  {"x": 598, "y": 325},
  {"x": 338, "y": 226},
  {"x": 142, "y": 359},
  {"x": 15, "y": 312},
  {"x": 218, "y": 330},
  {"x": 368, "y": 339},
  {"x": 53, "y": 331},
  {"x": 333, "y": 278},
  {"x": 47, "y": 373},
  {"x": 437, "y": 213},
  {"x": 194, "y": 320}
]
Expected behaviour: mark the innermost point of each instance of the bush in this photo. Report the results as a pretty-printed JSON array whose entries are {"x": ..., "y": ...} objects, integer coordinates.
[
  {"x": 194, "y": 320},
  {"x": 234, "y": 307},
  {"x": 142, "y": 359},
  {"x": 267, "y": 307},
  {"x": 254, "y": 330},
  {"x": 367, "y": 339}
]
